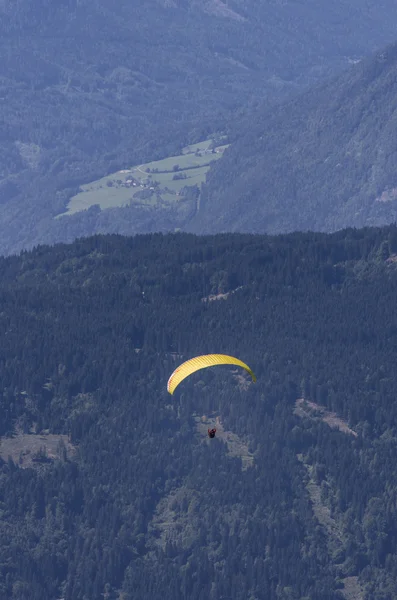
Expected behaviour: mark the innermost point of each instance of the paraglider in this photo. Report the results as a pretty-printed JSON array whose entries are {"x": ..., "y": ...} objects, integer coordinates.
[{"x": 201, "y": 362}]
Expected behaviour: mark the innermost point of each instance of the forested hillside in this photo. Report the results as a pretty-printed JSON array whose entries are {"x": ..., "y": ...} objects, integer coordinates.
[
  {"x": 295, "y": 499},
  {"x": 91, "y": 86},
  {"x": 323, "y": 161}
]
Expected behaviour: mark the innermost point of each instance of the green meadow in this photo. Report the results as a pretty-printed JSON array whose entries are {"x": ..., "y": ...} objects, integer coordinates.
[{"x": 155, "y": 183}]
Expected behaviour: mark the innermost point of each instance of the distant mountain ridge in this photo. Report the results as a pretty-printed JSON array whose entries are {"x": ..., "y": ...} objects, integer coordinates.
[
  {"x": 323, "y": 161},
  {"x": 90, "y": 86}
]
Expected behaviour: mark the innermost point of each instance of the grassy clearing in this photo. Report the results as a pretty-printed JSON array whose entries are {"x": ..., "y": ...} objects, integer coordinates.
[
  {"x": 106, "y": 197},
  {"x": 235, "y": 446},
  {"x": 204, "y": 145},
  {"x": 200, "y": 146},
  {"x": 193, "y": 177},
  {"x": 183, "y": 161},
  {"x": 334, "y": 532},
  {"x": 306, "y": 408},
  {"x": 29, "y": 449},
  {"x": 151, "y": 184}
]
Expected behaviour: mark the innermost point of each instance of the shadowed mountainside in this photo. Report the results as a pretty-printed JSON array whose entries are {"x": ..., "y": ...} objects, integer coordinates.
[
  {"x": 323, "y": 161},
  {"x": 88, "y": 87}
]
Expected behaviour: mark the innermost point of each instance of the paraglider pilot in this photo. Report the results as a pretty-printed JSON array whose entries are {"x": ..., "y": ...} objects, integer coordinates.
[{"x": 211, "y": 433}]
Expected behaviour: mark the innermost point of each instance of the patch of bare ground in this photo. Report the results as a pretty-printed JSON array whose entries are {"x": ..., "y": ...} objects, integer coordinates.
[
  {"x": 352, "y": 589},
  {"x": 335, "y": 539},
  {"x": 387, "y": 195},
  {"x": 392, "y": 259},
  {"x": 30, "y": 449},
  {"x": 305, "y": 408},
  {"x": 224, "y": 296},
  {"x": 178, "y": 520},
  {"x": 220, "y": 9},
  {"x": 175, "y": 519},
  {"x": 243, "y": 381},
  {"x": 213, "y": 297},
  {"x": 321, "y": 511},
  {"x": 235, "y": 446}
]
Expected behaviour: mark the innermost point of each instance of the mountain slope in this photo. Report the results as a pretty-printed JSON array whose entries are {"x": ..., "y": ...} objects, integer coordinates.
[
  {"x": 89, "y": 87},
  {"x": 136, "y": 501},
  {"x": 322, "y": 161}
]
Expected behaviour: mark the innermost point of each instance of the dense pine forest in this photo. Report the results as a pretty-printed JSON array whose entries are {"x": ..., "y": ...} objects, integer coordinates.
[{"x": 109, "y": 486}]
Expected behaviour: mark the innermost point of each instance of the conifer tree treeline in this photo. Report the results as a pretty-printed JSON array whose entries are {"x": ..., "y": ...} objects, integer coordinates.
[{"x": 146, "y": 508}]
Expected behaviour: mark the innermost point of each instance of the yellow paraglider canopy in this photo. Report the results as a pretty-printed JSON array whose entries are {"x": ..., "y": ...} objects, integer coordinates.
[{"x": 201, "y": 362}]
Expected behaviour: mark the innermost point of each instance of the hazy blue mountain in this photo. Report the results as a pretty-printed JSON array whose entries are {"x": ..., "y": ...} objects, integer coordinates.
[
  {"x": 110, "y": 487},
  {"x": 87, "y": 87},
  {"x": 322, "y": 161}
]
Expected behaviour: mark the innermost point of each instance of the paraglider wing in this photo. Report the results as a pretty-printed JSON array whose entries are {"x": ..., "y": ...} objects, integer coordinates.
[{"x": 201, "y": 362}]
